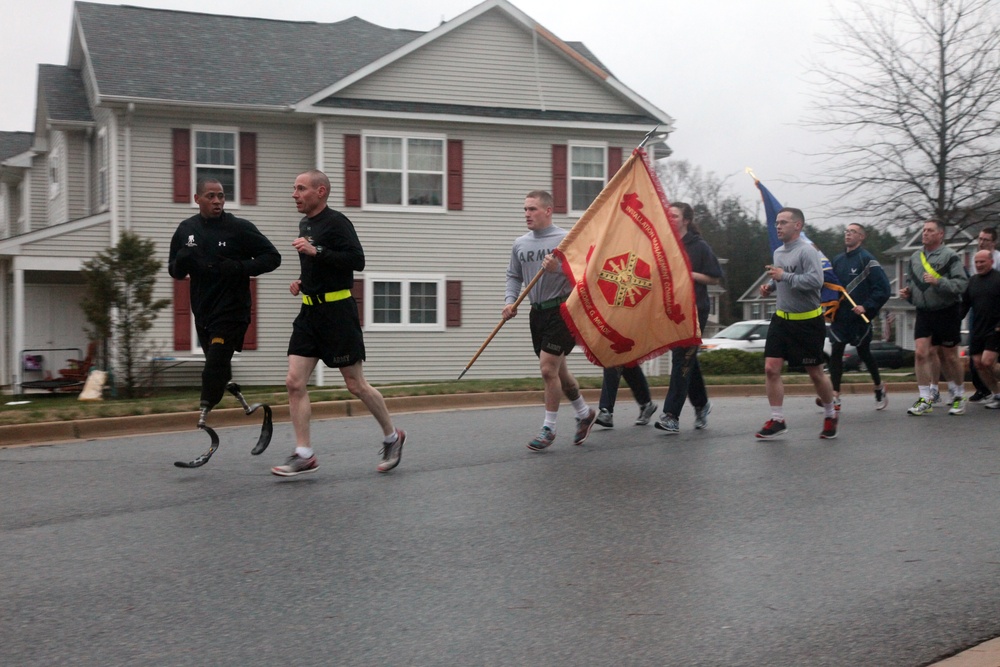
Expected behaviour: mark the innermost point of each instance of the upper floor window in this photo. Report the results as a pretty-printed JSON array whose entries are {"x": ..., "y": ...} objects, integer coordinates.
[
  {"x": 404, "y": 171},
  {"x": 587, "y": 172},
  {"x": 102, "y": 168},
  {"x": 55, "y": 170},
  {"x": 216, "y": 156},
  {"x": 410, "y": 302}
]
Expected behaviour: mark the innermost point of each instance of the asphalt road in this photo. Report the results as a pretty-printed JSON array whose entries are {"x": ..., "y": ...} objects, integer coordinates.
[{"x": 705, "y": 549}]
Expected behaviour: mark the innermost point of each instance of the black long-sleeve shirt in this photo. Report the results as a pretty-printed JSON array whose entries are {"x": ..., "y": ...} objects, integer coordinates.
[
  {"x": 333, "y": 268},
  {"x": 216, "y": 297},
  {"x": 982, "y": 296}
]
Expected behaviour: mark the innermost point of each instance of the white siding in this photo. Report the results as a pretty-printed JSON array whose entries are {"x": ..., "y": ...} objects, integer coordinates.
[
  {"x": 38, "y": 194},
  {"x": 285, "y": 148},
  {"x": 473, "y": 245},
  {"x": 76, "y": 175},
  {"x": 490, "y": 62},
  {"x": 84, "y": 243},
  {"x": 57, "y": 158}
]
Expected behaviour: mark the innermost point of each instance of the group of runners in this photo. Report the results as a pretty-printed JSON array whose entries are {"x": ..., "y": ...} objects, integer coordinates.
[{"x": 220, "y": 252}]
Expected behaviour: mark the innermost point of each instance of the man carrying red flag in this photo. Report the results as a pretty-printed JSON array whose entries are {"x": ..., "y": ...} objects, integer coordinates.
[
  {"x": 550, "y": 336},
  {"x": 798, "y": 329}
]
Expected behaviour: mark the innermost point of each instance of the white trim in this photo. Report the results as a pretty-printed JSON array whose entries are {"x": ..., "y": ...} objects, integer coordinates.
[
  {"x": 404, "y": 171},
  {"x": 54, "y": 171},
  {"x": 320, "y": 139},
  {"x": 482, "y": 120},
  {"x": 405, "y": 279},
  {"x": 232, "y": 198},
  {"x": 30, "y": 263}
]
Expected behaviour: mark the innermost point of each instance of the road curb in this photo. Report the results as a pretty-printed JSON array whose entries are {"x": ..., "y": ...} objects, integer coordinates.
[{"x": 19, "y": 435}]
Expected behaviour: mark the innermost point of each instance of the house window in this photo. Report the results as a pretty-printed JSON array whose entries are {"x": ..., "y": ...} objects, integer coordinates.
[
  {"x": 404, "y": 171},
  {"x": 4, "y": 205},
  {"x": 216, "y": 156},
  {"x": 587, "y": 172},
  {"x": 102, "y": 168},
  {"x": 404, "y": 302},
  {"x": 54, "y": 171},
  {"x": 755, "y": 311}
]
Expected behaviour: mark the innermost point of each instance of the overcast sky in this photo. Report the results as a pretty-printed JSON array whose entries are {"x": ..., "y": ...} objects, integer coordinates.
[{"x": 730, "y": 72}]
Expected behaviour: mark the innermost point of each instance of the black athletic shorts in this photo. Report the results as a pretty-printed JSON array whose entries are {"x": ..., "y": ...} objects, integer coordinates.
[
  {"x": 549, "y": 332},
  {"x": 943, "y": 327},
  {"x": 329, "y": 331},
  {"x": 799, "y": 342},
  {"x": 990, "y": 341},
  {"x": 227, "y": 333}
]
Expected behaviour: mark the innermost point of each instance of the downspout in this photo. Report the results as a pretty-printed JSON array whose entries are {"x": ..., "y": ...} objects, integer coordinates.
[
  {"x": 320, "y": 155},
  {"x": 129, "y": 110},
  {"x": 18, "y": 326}
]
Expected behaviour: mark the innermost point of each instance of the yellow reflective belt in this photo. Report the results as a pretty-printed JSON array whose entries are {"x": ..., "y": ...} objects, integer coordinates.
[
  {"x": 927, "y": 266},
  {"x": 316, "y": 299},
  {"x": 799, "y": 316}
]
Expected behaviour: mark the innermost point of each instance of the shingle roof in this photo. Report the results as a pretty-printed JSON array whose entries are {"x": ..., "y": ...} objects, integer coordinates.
[
  {"x": 65, "y": 97},
  {"x": 185, "y": 56},
  {"x": 14, "y": 143}
]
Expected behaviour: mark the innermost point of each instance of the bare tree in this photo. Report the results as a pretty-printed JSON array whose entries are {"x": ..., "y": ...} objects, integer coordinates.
[{"x": 914, "y": 112}]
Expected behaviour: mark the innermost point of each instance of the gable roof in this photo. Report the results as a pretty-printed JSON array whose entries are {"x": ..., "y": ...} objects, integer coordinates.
[
  {"x": 13, "y": 144},
  {"x": 64, "y": 94},
  {"x": 157, "y": 54}
]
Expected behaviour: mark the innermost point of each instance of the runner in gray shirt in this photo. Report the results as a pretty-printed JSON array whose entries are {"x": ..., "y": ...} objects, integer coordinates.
[
  {"x": 797, "y": 329},
  {"x": 550, "y": 336}
]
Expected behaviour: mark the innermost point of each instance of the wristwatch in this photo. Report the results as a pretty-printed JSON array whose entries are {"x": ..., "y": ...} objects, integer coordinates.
[{"x": 319, "y": 250}]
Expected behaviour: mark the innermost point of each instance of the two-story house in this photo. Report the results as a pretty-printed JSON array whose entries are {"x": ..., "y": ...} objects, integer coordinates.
[{"x": 431, "y": 140}]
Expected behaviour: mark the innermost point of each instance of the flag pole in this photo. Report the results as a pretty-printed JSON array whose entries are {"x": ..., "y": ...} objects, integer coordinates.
[{"x": 496, "y": 329}]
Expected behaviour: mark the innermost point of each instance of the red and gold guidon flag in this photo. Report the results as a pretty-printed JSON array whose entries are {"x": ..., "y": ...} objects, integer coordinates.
[{"x": 633, "y": 295}]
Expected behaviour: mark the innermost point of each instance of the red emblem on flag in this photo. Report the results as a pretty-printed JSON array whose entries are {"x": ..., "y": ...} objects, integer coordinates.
[{"x": 625, "y": 280}]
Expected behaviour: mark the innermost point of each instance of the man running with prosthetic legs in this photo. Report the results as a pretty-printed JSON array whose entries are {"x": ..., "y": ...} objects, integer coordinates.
[{"x": 220, "y": 252}]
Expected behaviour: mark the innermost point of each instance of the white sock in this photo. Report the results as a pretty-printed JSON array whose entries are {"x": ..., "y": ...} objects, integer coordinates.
[
  {"x": 829, "y": 410},
  {"x": 304, "y": 452},
  {"x": 777, "y": 413},
  {"x": 391, "y": 438},
  {"x": 581, "y": 407},
  {"x": 550, "y": 420},
  {"x": 925, "y": 391}
]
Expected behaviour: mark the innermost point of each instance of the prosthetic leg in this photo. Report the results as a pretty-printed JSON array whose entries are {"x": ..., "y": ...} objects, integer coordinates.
[{"x": 266, "y": 429}]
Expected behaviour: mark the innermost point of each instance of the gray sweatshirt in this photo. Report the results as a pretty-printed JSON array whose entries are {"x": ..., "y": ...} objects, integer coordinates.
[
  {"x": 798, "y": 291},
  {"x": 526, "y": 260},
  {"x": 948, "y": 290}
]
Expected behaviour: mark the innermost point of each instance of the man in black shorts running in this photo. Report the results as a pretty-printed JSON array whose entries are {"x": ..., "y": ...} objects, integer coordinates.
[
  {"x": 982, "y": 296},
  {"x": 797, "y": 329},
  {"x": 936, "y": 282},
  {"x": 328, "y": 326}
]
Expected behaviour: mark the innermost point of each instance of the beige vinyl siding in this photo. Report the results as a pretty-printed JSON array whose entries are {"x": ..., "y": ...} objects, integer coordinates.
[
  {"x": 83, "y": 243},
  {"x": 490, "y": 62},
  {"x": 285, "y": 148},
  {"x": 473, "y": 245}
]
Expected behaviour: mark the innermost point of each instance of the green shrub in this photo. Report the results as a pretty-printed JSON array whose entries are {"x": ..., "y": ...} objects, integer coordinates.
[{"x": 731, "y": 362}]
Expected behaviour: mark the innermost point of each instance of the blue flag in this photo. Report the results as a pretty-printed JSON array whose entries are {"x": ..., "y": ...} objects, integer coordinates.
[{"x": 832, "y": 289}]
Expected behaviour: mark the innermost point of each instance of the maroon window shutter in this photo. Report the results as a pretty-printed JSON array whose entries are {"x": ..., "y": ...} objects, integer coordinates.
[
  {"x": 614, "y": 161},
  {"x": 182, "y": 166},
  {"x": 453, "y": 307},
  {"x": 248, "y": 168},
  {"x": 182, "y": 315},
  {"x": 559, "y": 181},
  {"x": 352, "y": 170},
  {"x": 358, "y": 292},
  {"x": 454, "y": 174},
  {"x": 250, "y": 339}
]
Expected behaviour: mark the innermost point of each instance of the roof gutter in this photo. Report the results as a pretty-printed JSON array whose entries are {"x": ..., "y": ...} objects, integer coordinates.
[{"x": 124, "y": 100}]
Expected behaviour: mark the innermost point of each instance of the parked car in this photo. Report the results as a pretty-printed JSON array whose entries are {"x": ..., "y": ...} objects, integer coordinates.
[
  {"x": 887, "y": 355},
  {"x": 748, "y": 335}
]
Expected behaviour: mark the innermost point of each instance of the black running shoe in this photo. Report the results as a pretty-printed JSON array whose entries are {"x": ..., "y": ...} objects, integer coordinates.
[{"x": 772, "y": 429}]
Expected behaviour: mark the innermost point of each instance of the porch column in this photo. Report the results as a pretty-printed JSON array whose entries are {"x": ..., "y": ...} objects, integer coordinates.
[{"x": 18, "y": 322}]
